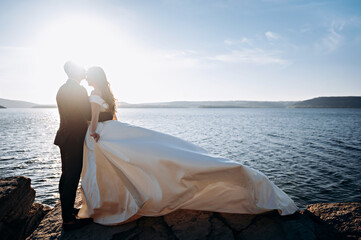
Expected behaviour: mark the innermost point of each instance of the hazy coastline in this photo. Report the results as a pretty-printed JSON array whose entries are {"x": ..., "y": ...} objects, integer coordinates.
[{"x": 319, "y": 102}]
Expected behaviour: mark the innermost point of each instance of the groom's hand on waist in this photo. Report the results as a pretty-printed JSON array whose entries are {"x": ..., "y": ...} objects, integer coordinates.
[{"x": 95, "y": 136}]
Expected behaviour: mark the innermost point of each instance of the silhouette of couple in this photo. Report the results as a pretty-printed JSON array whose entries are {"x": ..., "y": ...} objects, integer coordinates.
[{"x": 128, "y": 171}]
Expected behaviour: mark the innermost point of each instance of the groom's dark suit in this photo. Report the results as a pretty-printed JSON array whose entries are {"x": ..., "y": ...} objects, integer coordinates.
[{"x": 74, "y": 110}]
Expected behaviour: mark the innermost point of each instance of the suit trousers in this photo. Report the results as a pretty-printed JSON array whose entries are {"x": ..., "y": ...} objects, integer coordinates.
[{"x": 71, "y": 166}]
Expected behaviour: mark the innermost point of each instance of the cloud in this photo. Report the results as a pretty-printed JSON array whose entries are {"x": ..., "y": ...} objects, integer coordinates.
[
  {"x": 173, "y": 58},
  {"x": 248, "y": 51},
  {"x": 247, "y": 41},
  {"x": 306, "y": 29},
  {"x": 241, "y": 51},
  {"x": 248, "y": 55},
  {"x": 333, "y": 40},
  {"x": 173, "y": 54},
  {"x": 228, "y": 42},
  {"x": 238, "y": 42},
  {"x": 272, "y": 36}
]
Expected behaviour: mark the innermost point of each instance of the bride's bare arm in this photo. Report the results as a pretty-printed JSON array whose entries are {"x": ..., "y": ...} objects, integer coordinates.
[{"x": 95, "y": 108}]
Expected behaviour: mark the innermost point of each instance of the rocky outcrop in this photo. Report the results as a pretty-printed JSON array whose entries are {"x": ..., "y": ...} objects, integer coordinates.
[
  {"x": 19, "y": 216},
  {"x": 319, "y": 221},
  {"x": 343, "y": 220}
]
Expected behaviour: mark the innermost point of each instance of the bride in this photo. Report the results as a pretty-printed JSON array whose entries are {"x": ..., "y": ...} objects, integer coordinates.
[{"x": 129, "y": 171}]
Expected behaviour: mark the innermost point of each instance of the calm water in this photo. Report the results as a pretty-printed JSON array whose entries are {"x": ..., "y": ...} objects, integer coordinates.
[{"x": 314, "y": 155}]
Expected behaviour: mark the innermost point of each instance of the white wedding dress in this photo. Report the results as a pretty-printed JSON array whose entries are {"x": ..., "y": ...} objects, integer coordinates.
[{"x": 134, "y": 170}]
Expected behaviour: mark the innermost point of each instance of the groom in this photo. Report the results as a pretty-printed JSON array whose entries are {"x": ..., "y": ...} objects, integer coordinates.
[{"x": 74, "y": 110}]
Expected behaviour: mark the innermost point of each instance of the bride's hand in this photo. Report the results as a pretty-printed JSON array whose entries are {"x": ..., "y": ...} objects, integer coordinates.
[{"x": 95, "y": 136}]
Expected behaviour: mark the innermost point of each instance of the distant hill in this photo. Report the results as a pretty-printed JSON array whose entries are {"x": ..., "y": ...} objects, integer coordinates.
[
  {"x": 330, "y": 102},
  {"x": 209, "y": 104},
  {"x": 320, "y": 102},
  {"x": 2, "y": 106},
  {"x": 45, "y": 106},
  {"x": 16, "y": 103}
]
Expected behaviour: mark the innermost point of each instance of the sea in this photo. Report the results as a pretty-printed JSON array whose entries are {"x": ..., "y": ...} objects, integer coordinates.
[{"x": 314, "y": 155}]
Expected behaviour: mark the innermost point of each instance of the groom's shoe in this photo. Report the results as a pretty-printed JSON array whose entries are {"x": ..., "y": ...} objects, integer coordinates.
[{"x": 76, "y": 224}]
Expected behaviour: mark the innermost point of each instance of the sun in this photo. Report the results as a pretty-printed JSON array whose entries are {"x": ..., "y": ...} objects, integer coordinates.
[
  {"x": 86, "y": 39},
  {"x": 91, "y": 40},
  {"x": 82, "y": 38}
]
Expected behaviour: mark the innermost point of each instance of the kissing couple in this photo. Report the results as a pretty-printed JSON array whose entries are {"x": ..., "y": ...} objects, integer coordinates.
[{"x": 128, "y": 171}]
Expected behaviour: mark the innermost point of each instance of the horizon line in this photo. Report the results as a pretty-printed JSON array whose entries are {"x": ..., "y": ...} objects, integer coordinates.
[{"x": 173, "y": 101}]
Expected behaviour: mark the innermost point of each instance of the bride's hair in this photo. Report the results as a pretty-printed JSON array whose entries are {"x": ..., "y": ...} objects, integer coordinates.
[{"x": 97, "y": 75}]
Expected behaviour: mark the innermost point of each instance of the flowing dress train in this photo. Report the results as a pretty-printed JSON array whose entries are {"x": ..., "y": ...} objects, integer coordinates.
[{"x": 134, "y": 170}]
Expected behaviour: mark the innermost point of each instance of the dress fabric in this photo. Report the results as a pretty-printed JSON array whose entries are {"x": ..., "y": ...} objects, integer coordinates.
[{"x": 134, "y": 170}]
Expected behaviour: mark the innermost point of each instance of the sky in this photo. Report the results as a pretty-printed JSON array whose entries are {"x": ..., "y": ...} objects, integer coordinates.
[{"x": 184, "y": 50}]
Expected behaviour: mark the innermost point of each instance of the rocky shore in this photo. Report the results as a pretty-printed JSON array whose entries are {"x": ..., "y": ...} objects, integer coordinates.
[{"x": 19, "y": 217}]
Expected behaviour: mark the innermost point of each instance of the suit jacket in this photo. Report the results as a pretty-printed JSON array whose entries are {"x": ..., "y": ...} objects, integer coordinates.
[{"x": 74, "y": 110}]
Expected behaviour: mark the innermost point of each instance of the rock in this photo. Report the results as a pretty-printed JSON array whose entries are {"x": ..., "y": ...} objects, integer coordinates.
[
  {"x": 188, "y": 224},
  {"x": 95, "y": 231},
  {"x": 342, "y": 219},
  {"x": 50, "y": 227},
  {"x": 147, "y": 228},
  {"x": 237, "y": 222},
  {"x": 220, "y": 231},
  {"x": 266, "y": 226},
  {"x": 19, "y": 216},
  {"x": 33, "y": 217},
  {"x": 298, "y": 226},
  {"x": 196, "y": 223},
  {"x": 16, "y": 197},
  {"x": 273, "y": 226}
]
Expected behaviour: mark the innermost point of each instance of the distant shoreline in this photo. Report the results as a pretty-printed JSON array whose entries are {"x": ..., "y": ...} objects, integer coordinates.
[
  {"x": 320, "y": 102},
  {"x": 207, "y": 107}
]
